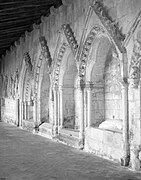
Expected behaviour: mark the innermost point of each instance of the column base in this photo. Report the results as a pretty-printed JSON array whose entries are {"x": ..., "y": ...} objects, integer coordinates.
[
  {"x": 81, "y": 141},
  {"x": 55, "y": 131},
  {"x": 125, "y": 161}
]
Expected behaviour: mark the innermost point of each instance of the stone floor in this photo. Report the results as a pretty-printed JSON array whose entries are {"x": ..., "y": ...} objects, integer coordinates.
[{"x": 25, "y": 156}]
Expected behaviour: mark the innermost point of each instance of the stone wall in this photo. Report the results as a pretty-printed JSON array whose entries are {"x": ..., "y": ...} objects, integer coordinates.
[
  {"x": 75, "y": 13},
  {"x": 45, "y": 87},
  {"x": 113, "y": 96}
]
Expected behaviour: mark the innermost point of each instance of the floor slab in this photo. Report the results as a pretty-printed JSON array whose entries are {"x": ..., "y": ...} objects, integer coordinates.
[{"x": 27, "y": 156}]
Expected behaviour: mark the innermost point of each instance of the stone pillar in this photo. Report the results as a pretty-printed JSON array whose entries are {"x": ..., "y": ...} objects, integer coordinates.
[
  {"x": 60, "y": 106},
  {"x": 126, "y": 152},
  {"x": 35, "y": 111},
  {"x": 28, "y": 110},
  {"x": 55, "y": 123},
  {"x": 21, "y": 106},
  {"x": 17, "y": 111},
  {"x": 38, "y": 111},
  {"x": 88, "y": 86},
  {"x": 25, "y": 110},
  {"x": 80, "y": 87},
  {"x": 85, "y": 107}
]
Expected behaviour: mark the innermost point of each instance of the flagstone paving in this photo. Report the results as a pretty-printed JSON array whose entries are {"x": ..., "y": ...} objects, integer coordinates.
[{"x": 26, "y": 156}]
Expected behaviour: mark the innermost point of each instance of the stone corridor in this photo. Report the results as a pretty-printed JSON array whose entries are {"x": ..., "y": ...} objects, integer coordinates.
[{"x": 25, "y": 156}]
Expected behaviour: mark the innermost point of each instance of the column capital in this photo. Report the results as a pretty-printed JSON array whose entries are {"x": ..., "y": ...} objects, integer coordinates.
[
  {"x": 60, "y": 87},
  {"x": 89, "y": 85},
  {"x": 55, "y": 87},
  {"x": 80, "y": 83}
]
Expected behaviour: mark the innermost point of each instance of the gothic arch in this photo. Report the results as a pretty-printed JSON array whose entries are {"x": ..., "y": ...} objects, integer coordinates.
[
  {"x": 65, "y": 81},
  {"x": 98, "y": 52},
  {"x": 25, "y": 88},
  {"x": 44, "y": 83},
  {"x": 95, "y": 32},
  {"x": 57, "y": 65}
]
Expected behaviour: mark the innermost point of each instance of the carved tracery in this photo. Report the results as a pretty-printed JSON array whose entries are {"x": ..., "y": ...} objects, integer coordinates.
[
  {"x": 28, "y": 63},
  {"x": 58, "y": 62},
  {"x": 135, "y": 62},
  {"x": 45, "y": 50},
  {"x": 111, "y": 26},
  {"x": 70, "y": 37},
  {"x": 86, "y": 48}
]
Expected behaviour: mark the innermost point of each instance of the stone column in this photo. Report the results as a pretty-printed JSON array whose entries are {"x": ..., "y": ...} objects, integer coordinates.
[
  {"x": 25, "y": 110},
  {"x": 17, "y": 111},
  {"x": 35, "y": 112},
  {"x": 126, "y": 152},
  {"x": 88, "y": 86},
  {"x": 124, "y": 83},
  {"x": 80, "y": 87},
  {"x": 28, "y": 110},
  {"x": 61, "y": 106},
  {"x": 38, "y": 111},
  {"x": 55, "y": 123},
  {"x": 21, "y": 104}
]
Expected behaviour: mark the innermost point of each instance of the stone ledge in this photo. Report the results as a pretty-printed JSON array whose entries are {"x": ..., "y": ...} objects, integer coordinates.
[
  {"x": 69, "y": 137},
  {"x": 104, "y": 143},
  {"x": 45, "y": 130}
]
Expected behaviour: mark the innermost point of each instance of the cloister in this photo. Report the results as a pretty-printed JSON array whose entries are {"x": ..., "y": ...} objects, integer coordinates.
[{"x": 76, "y": 78}]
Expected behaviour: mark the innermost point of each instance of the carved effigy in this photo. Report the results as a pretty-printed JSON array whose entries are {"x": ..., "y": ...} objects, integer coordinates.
[
  {"x": 135, "y": 62},
  {"x": 70, "y": 37},
  {"x": 111, "y": 26},
  {"x": 28, "y": 63},
  {"x": 58, "y": 62},
  {"x": 45, "y": 50}
]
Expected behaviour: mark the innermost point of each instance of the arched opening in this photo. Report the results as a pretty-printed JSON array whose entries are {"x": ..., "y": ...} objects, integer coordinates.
[
  {"x": 27, "y": 99},
  {"x": 106, "y": 96},
  {"x": 104, "y": 100},
  {"x": 68, "y": 84},
  {"x": 44, "y": 95},
  {"x": 27, "y": 119}
]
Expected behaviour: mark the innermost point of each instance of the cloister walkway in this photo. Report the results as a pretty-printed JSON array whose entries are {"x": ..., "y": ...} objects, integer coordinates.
[{"x": 26, "y": 156}]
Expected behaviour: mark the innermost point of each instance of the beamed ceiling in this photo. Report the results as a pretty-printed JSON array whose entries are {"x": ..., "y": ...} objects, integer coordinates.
[{"x": 18, "y": 16}]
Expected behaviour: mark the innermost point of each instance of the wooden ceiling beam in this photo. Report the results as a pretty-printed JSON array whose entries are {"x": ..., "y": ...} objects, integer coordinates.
[
  {"x": 12, "y": 30},
  {"x": 49, "y": 2},
  {"x": 25, "y": 7},
  {"x": 17, "y": 16},
  {"x": 20, "y": 22},
  {"x": 11, "y": 25},
  {"x": 8, "y": 40},
  {"x": 24, "y": 12},
  {"x": 24, "y": 17}
]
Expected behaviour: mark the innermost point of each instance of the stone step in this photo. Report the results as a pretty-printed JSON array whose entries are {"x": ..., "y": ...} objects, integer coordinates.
[
  {"x": 69, "y": 137},
  {"x": 45, "y": 130}
]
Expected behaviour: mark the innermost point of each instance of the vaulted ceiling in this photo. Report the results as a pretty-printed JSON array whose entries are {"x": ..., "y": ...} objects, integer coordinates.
[{"x": 18, "y": 16}]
